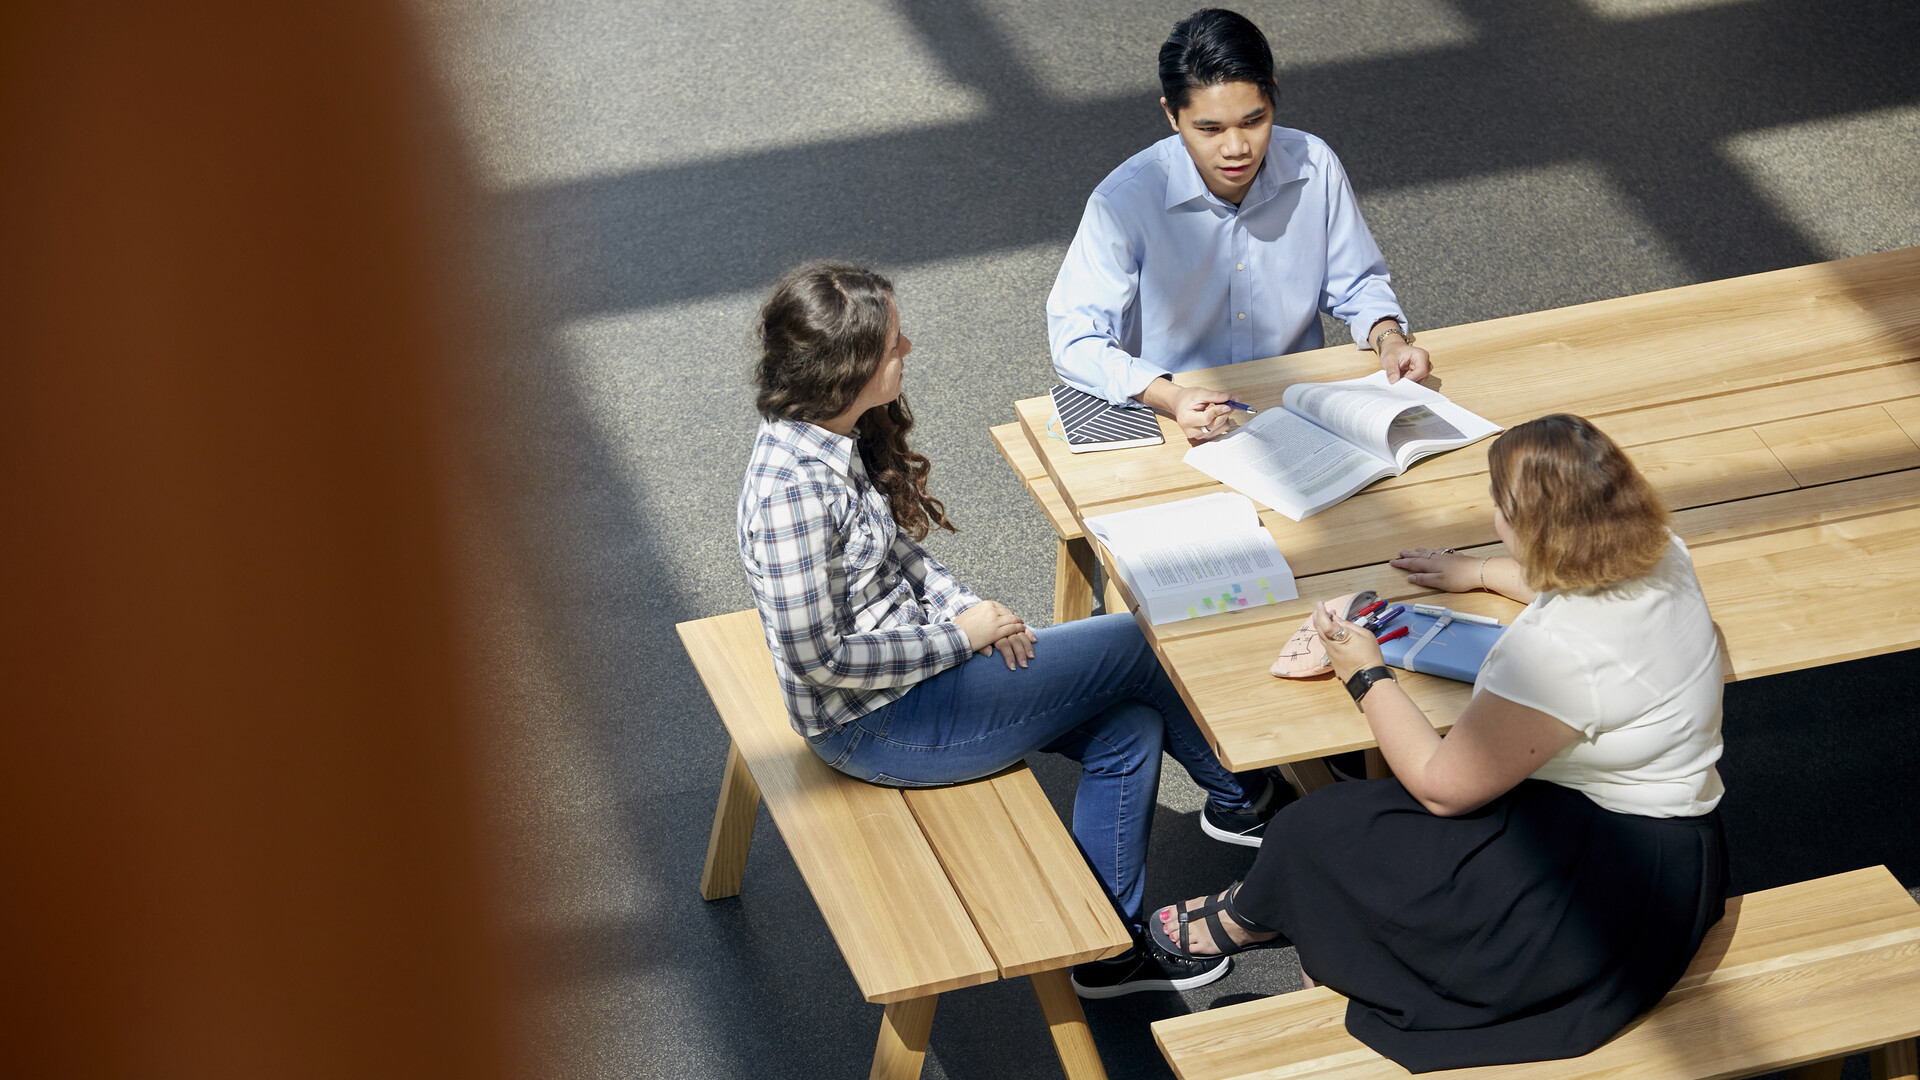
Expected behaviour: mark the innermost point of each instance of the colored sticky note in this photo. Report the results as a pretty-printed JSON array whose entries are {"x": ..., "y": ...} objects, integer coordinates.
[
  {"x": 1236, "y": 588},
  {"x": 1206, "y": 601},
  {"x": 1264, "y": 585},
  {"x": 1270, "y": 599},
  {"x": 1193, "y": 613},
  {"x": 1242, "y": 601},
  {"x": 1225, "y": 598}
]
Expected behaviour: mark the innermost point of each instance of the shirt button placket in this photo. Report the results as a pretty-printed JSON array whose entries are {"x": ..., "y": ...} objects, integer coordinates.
[{"x": 1241, "y": 297}]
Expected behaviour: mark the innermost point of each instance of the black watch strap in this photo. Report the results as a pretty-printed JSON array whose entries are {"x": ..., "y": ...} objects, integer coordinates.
[{"x": 1363, "y": 681}]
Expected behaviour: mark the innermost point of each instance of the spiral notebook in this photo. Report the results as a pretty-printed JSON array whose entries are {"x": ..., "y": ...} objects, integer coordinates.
[
  {"x": 1455, "y": 651},
  {"x": 1093, "y": 423}
]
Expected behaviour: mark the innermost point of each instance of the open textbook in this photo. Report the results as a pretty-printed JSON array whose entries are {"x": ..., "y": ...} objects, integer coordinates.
[
  {"x": 1195, "y": 557},
  {"x": 1329, "y": 440}
]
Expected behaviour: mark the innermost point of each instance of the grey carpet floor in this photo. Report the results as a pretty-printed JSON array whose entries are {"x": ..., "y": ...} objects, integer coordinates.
[{"x": 649, "y": 168}]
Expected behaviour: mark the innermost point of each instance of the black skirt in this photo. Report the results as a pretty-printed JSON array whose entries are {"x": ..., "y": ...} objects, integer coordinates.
[{"x": 1531, "y": 929}]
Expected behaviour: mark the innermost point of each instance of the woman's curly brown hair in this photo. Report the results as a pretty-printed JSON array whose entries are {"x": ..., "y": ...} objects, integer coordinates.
[
  {"x": 823, "y": 334},
  {"x": 1584, "y": 517}
]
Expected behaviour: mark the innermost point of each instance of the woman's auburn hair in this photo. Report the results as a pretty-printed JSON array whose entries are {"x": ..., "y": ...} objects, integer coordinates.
[
  {"x": 823, "y": 334},
  {"x": 1583, "y": 516}
]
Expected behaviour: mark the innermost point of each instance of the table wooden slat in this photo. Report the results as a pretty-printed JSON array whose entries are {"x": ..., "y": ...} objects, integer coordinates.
[
  {"x": 1013, "y": 446},
  {"x": 1840, "y": 445},
  {"x": 1835, "y": 561},
  {"x": 1631, "y": 354}
]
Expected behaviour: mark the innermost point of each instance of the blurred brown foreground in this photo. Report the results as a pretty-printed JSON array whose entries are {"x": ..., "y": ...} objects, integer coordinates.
[{"x": 245, "y": 833}]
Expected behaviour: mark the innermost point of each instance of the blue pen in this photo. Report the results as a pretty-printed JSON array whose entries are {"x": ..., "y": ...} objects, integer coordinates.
[
  {"x": 1241, "y": 405},
  {"x": 1381, "y": 618}
]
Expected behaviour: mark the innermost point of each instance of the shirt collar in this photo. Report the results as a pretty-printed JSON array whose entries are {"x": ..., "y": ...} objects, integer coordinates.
[
  {"x": 810, "y": 440},
  {"x": 1279, "y": 168}
]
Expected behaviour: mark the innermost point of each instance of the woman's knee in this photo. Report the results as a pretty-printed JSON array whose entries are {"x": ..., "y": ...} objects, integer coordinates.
[{"x": 1125, "y": 739}]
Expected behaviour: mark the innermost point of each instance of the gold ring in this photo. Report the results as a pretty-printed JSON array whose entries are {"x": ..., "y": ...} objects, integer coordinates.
[{"x": 1341, "y": 636}]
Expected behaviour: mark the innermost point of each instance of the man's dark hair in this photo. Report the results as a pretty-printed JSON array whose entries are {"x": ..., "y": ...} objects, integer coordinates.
[{"x": 1210, "y": 47}]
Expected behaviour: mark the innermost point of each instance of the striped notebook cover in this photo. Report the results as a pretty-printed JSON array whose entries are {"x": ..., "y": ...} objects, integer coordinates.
[{"x": 1091, "y": 423}]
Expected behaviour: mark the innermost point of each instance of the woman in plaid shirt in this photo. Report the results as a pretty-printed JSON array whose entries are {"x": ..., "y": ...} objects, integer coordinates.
[{"x": 894, "y": 672}]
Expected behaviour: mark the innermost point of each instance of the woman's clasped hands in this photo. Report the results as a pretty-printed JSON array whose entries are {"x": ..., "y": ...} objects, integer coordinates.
[{"x": 991, "y": 625}]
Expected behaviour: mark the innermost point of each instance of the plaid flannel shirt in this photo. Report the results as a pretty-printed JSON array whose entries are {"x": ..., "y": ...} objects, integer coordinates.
[{"x": 855, "y": 613}]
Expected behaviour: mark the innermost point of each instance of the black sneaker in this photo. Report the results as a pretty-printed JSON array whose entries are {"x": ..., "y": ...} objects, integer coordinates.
[
  {"x": 1245, "y": 827},
  {"x": 1144, "y": 969}
]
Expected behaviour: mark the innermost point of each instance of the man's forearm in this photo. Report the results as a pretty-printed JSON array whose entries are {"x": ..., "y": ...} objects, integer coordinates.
[{"x": 1161, "y": 395}]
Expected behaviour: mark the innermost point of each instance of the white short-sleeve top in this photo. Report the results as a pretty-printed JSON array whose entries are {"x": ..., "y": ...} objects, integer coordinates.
[{"x": 1635, "y": 669}]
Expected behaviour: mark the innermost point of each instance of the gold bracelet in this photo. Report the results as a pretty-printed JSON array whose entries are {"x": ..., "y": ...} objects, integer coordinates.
[
  {"x": 1483, "y": 570},
  {"x": 1381, "y": 337}
]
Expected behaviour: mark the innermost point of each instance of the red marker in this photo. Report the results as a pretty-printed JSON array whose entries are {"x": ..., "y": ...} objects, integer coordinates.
[{"x": 1396, "y": 632}]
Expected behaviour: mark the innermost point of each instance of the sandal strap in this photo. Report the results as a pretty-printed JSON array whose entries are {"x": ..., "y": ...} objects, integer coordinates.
[{"x": 1246, "y": 924}]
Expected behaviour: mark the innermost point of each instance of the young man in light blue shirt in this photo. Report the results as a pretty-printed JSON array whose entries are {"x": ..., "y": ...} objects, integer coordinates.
[{"x": 1219, "y": 244}]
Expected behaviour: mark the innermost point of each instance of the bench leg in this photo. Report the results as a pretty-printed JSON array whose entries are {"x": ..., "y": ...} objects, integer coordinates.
[
  {"x": 732, "y": 829},
  {"x": 1073, "y": 574},
  {"x": 1896, "y": 1061},
  {"x": 1068, "y": 1025},
  {"x": 1307, "y": 776},
  {"x": 903, "y": 1039}
]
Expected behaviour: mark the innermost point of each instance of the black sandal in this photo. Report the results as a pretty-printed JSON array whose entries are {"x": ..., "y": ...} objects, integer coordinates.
[{"x": 1209, "y": 912}]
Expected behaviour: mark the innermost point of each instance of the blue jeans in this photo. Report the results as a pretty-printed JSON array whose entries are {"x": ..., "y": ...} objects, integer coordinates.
[{"x": 1094, "y": 692}]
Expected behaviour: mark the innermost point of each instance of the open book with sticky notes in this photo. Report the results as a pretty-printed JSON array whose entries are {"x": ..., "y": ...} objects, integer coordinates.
[
  {"x": 1195, "y": 557},
  {"x": 1329, "y": 440}
]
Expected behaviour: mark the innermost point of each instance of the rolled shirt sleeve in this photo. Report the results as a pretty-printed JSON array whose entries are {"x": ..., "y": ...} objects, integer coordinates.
[
  {"x": 1357, "y": 289},
  {"x": 1089, "y": 309}
]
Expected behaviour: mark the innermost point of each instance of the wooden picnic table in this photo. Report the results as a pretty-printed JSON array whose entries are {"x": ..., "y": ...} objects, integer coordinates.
[{"x": 1777, "y": 415}]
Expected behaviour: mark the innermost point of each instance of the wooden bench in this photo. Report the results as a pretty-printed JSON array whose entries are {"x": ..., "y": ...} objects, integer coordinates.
[
  {"x": 1074, "y": 564},
  {"x": 925, "y": 890},
  {"x": 1791, "y": 976}
]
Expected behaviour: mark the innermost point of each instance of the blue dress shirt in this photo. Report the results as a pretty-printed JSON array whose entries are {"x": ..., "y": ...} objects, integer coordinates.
[{"x": 1165, "y": 276}]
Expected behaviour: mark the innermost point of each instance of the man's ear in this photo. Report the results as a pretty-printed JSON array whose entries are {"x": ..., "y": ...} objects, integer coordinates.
[{"x": 1172, "y": 120}]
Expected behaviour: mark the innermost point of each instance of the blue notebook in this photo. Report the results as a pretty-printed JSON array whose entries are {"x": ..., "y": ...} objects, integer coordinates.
[{"x": 1456, "y": 652}]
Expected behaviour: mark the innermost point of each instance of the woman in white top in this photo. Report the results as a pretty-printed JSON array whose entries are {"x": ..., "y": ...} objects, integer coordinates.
[{"x": 1525, "y": 886}]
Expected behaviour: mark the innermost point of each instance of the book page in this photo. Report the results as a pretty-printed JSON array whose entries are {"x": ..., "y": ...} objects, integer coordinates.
[
  {"x": 1358, "y": 410},
  {"x": 1399, "y": 422},
  {"x": 1288, "y": 463},
  {"x": 1196, "y": 556}
]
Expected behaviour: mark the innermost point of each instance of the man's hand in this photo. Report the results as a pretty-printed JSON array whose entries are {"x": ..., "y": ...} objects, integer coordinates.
[
  {"x": 1399, "y": 358},
  {"x": 1403, "y": 361},
  {"x": 1200, "y": 412}
]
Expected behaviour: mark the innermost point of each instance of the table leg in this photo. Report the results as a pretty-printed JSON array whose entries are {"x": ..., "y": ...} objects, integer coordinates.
[
  {"x": 1068, "y": 1025},
  {"x": 732, "y": 829},
  {"x": 1110, "y": 598},
  {"x": 1074, "y": 569},
  {"x": 1817, "y": 1070},
  {"x": 1896, "y": 1061},
  {"x": 903, "y": 1039},
  {"x": 1377, "y": 767}
]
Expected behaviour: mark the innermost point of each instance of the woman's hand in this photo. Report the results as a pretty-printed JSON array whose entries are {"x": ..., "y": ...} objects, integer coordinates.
[
  {"x": 988, "y": 623},
  {"x": 1350, "y": 648},
  {"x": 1441, "y": 569},
  {"x": 1013, "y": 647}
]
